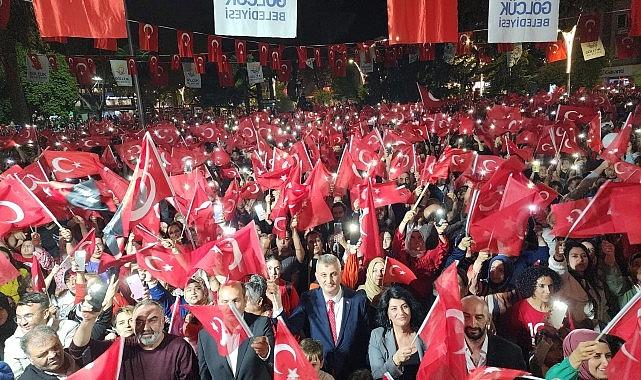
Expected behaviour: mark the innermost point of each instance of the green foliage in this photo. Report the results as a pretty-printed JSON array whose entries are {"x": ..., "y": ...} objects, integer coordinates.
[{"x": 55, "y": 97}]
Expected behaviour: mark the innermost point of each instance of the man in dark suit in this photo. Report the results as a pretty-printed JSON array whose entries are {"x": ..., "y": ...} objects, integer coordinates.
[
  {"x": 334, "y": 315},
  {"x": 483, "y": 349},
  {"x": 254, "y": 357}
]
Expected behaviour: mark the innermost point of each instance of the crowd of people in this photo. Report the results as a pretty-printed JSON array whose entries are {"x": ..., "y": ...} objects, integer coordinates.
[{"x": 327, "y": 282}]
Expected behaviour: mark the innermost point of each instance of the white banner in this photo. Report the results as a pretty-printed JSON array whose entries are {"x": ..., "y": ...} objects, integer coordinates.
[
  {"x": 592, "y": 50},
  {"x": 120, "y": 72},
  {"x": 255, "y": 73},
  {"x": 256, "y": 18},
  {"x": 38, "y": 69},
  {"x": 512, "y": 21},
  {"x": 192, "y": 78},
  {"x": 366, "y": 66}
]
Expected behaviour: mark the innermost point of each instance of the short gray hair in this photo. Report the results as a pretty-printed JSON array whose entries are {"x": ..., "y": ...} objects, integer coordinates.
[
  {"x": 255, "y": 288},
  {"x": 37, "y": 334},
  {"x": 148, "y": 302},
  {"x": 328, "y": 259}
]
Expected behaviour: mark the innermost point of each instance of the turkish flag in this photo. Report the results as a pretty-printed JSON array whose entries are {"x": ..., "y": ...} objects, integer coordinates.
[
  {"x": 37, "y": 277},
  {"x": 164, "y": 265},
  {"x": 240, "y": 46},
  {"x": 110, "y": 44},
  {"x": 147, "y": 37},
  {"x": 626, "y": 321},
  {"x": 526, "y": 154},
  {"x": 402, "y": 161},
  {"x": 627, "y": 173},
  {"x": 30, "y": 175},
  {"x": 7, "y": 271},
  {"x": 161, "y": 77},
  {"x": 575, "y": 114},
  {"x": 594, "y": 134},
  {"x": 555, "y": 51},
  {"x": 316, "y": 211},
  {"x": 396, "y": 271},
  {"x": 148, "y": 186},
  {"x": 250, "y": 190},
  {"x": 370, "y": 235},
  {"x": 635, "y": 18},
  {"x": 235, "y": 256},
  {"x": 87, "y": 244},
  {"x": 82, "y": 69},
  {"x": 226, "y": 326},
  {"x": 114, "y": 183},
  {"x": 428, "y": 100},
  {"x": 589, "y": 27},
  {"x": 617, "y": 148},
  {"x": 129, "y": 152},
  {"x": 443, "y": 329},
  {"x": 153, "y": 65},
  {"x": 104, "y": 367},
  {"x": 81, "y": 18},
  {"x": 275, "y": 58},
  {"x": 386, "y": 193},
  {"x": 201, "y": 61},
  {"x": 132, "y": 67},
  {"x": 566, "y": 214},
  {"x": 230, "y": 199},
  {"x": 422, "y": 21},
  {"x": 290, "y": 362},
  {"x": 627, "y": 47},
  {"x": 347, "y": 174},
  {"x": 53, "y": 61},
  {"x": 214, "y": 48},
  {"x": 495, "y": 373},
  {"x": 164, "y": 134},
  {"x": 464, "y": 45},
  {"x": 622, "y": 202},
  {"x": 175, "y": 62},
  {"x": 317, "y": 58},
  {"x": 285, "y": 71},
  {"x": 5, "y": 13},
  {"x": 185, "y": 43},
  {"x": 65, "y": 165},
  {"x": 426, "y": 52},
  {"x": 301, "y": 53},
  {"x": 298, "y": 154},
  {"x": 19, "y": 208},
  {"x": 263, "y": 53},
  {"x": 626, "y": 364}
]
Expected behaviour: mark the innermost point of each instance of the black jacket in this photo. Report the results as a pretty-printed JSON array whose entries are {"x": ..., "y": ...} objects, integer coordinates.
[
  {"x": 504, "y": 354},
  {"x": 248, "y": 365}
]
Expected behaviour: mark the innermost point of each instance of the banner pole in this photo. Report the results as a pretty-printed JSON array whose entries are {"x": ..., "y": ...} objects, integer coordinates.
[{"x": 135, "y": 77}]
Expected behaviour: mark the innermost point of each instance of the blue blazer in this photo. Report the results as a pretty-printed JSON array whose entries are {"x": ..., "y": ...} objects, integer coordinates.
[{"x": 310, "y": 319}]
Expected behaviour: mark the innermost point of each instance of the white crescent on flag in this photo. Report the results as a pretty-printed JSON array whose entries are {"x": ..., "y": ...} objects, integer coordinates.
[{"x": 16, "y": 209}]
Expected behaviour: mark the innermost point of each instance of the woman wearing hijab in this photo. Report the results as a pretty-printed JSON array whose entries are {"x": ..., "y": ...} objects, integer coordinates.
[
  {"x": 585, "y": 358},
  {"x": 493, "y": 284},
  {"x": 410, "y": 247},
  {"x": 582, "y": 290},
  {"x": 373, "y": 286}
]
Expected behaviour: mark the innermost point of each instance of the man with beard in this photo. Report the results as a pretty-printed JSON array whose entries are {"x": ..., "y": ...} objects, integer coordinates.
[
  {"x": 149, "y": 354},
  {"x": 482, "y": 349},
  {"x": 48, "y": 359}
]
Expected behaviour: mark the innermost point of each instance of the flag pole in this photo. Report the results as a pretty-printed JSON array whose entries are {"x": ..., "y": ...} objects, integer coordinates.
[
  {"x": 429, "y": 313},
  {"x": 619, "y": 315},
  {"x": 135, "y": 77},
  {"x": 35, "y": 198}
]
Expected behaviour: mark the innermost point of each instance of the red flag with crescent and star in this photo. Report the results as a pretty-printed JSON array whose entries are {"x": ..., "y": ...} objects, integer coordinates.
[
  {"x": 19, "y": 208},
  {"x": 185, "y": 43},
  {"x": 164, "y": 265},
  {"x": 65, "y": 165},
  {"x": 225, "y": 325},
  {"x": 290, "y": 361},
  {"x": 147, "y": 37},
  {"x": 104, "y": 367},
  {"x": 396, "y": 271},
  {"x": 443, "y": 329}
]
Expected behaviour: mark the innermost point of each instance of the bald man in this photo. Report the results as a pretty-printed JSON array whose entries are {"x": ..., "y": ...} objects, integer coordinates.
[{"x": 483, "y": 349}]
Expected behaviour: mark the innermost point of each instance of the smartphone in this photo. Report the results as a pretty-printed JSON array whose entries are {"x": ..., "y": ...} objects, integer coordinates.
[
  {"x": 80, "y": 257},
  {"x": 219, "y": 216},
  {"x": 136, "y": 286},
  {"x": 97, "y": 292},
  {"x": 260, "y": 212},
  {"x": 338, "y": 227}
]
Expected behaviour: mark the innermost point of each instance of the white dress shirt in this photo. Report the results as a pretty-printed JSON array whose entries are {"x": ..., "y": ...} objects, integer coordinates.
[
  {"x": 338, "y": 309},
  {"x": 482, "y": 356}
]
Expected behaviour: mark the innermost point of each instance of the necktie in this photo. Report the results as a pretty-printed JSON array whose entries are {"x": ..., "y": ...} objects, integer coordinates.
[{"x": 332, "y": 318}]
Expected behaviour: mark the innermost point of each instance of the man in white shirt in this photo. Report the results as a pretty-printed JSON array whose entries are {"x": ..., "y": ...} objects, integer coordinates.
[
  {"x": 482, "y": 349},
  {"x": 34, "y": 310}
]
